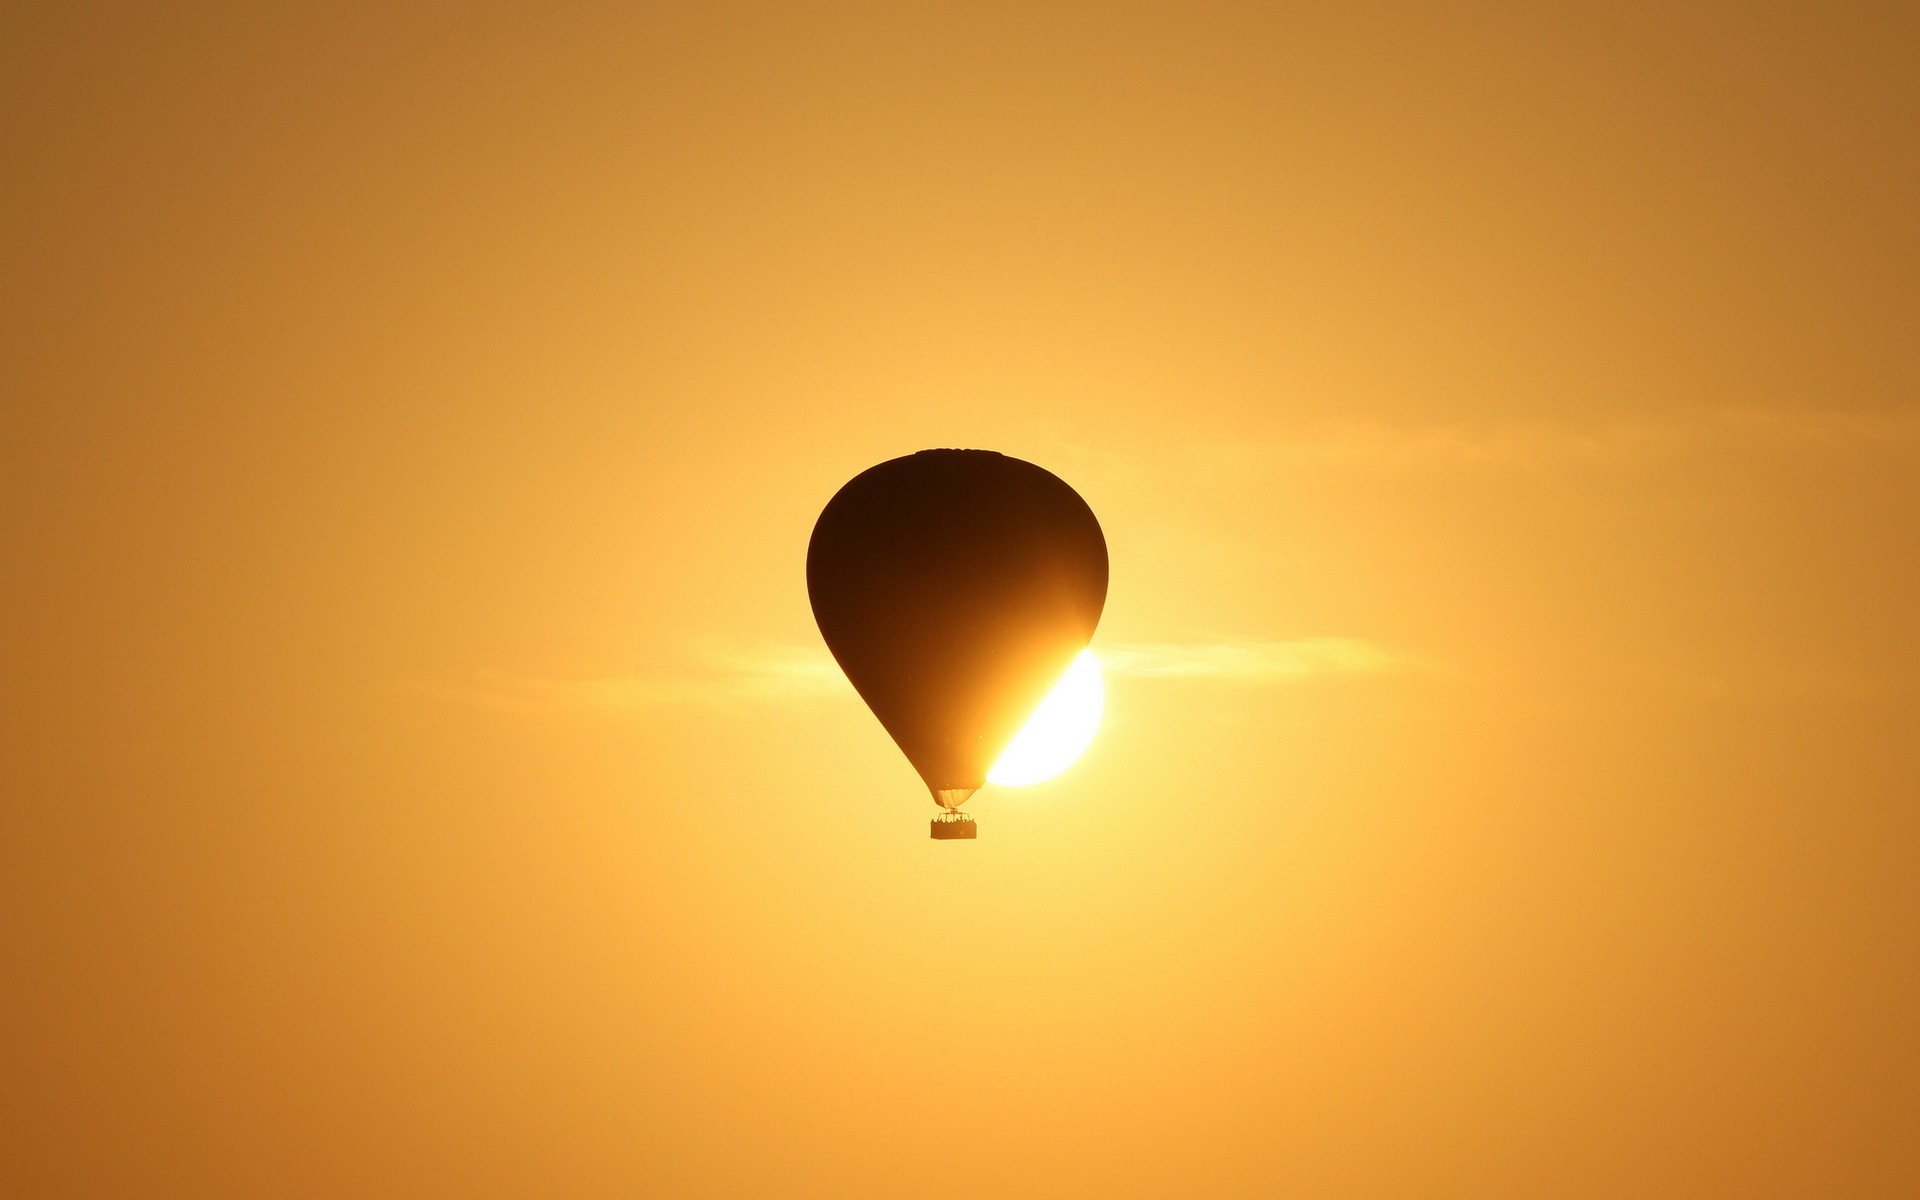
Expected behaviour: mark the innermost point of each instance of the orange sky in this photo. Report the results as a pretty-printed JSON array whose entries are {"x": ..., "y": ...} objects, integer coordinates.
[{"x": 423, "y": 778}]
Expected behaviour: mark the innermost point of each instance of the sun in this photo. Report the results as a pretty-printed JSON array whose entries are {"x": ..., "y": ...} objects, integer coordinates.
[{"x": 1060, "y": 729}]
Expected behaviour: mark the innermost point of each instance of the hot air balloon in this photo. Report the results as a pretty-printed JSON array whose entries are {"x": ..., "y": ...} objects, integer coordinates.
[{"x": 954, "y": 587}]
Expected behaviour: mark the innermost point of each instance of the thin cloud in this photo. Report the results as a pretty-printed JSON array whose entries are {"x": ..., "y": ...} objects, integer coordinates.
[
  {"x": 1250, "y": 662},
  {"x": 1543, "y": 445},
  {"x": 1893, "y": 429},
  {"x": 1509, "y": 446},
  {"x": 713, "y": 675},
  {"x": 784, "y": 674}
]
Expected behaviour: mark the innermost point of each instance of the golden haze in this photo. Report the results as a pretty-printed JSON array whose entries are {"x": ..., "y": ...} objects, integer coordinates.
[{"x": 420, "y": 777}]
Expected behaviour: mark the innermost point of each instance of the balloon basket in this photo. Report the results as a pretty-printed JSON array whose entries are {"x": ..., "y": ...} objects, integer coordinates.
[{"x": 950, "y": 825}]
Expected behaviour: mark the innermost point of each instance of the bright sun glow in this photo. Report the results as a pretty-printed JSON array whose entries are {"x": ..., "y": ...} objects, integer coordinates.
[{"x": 1059, "y": 731}]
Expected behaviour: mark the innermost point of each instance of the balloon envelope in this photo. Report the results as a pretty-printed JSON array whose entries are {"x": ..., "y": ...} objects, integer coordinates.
[{"x": 954, "y": 587}]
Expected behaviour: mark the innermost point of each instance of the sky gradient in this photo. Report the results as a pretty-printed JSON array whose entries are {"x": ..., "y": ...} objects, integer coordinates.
[{"x": 422, "y": 776}]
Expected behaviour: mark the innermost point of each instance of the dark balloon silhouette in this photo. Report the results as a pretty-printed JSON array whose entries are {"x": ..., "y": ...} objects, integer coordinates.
[{"x": 954, "y": 587}]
